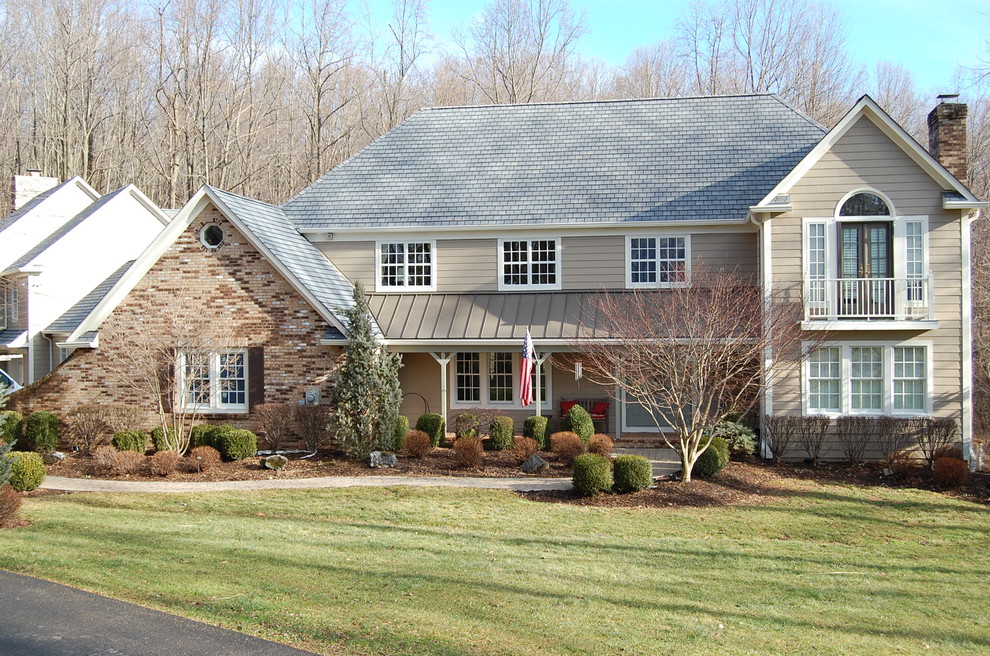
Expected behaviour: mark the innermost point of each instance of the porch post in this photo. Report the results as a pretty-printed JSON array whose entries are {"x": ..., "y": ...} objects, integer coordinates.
[
  {"x": 540, "y": 359},
  {"x": 443, "y": 359}
]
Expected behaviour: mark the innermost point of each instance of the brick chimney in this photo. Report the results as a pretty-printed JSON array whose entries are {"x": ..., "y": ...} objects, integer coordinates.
[
  {"x": 947, "y": 135},
  {"x": 28, "y": 186}
]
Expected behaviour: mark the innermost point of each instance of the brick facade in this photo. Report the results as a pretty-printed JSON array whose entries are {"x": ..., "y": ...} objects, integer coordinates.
[{"x": 262, "y": 308}]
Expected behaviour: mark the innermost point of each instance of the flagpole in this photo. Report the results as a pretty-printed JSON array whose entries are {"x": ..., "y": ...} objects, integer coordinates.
[{"x": 537, "y": 392}]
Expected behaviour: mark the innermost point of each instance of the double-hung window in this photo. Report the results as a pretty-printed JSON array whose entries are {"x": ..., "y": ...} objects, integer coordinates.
[
  {"x": 213, "y": 382},
  {"x": 492, "y": 380},
  {"x": 869, "y": 378},
  {"x": 529, "y": 264},
  {"x": 406, "y": 266},
  {"x": 657, "y": 261}
]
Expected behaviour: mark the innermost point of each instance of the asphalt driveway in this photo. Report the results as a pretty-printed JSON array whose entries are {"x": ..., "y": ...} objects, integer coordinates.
[{"x": 40, "y": 618}]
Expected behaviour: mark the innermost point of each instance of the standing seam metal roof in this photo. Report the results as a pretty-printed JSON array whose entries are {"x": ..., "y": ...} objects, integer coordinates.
[{"x": 584, "y": 162}]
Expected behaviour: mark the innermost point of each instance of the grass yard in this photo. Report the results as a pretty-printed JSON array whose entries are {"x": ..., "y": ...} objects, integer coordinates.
[{"x": 821, "y": 569}]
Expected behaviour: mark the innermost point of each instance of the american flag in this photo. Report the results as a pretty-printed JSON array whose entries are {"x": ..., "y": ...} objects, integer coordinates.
[{"x": 526, "y": 371}]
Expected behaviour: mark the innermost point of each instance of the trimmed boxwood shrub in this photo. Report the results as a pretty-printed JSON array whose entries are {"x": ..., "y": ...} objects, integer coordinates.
[
  {"x": 399, "y": 433},
  {"x": 131, "y": 440},
  {"x": 632, "y": 473},
  {"x": 158, "y": 438},
  {"x": 592, "y": 474},
  {"x": 433, "y": 425},
  {"x": 235, "y": 443},
  {"x": 10, "y": 425},
  {"x": 27, "y": 471},
  {"x": 42, "y": 431},
  {"x": 578, "y": 421},
  {"x": 537, "y": 428},
  {"x": 713, "y": 460},
  {"x": 741, "y": 438},
  {"x": 200, "y": 435},
  {"x": 501, "y": 432}
]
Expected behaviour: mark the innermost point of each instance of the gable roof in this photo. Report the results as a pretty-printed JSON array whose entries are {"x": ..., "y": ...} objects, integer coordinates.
[
  {"x": 958, "y": 196},
  {"x": 599, "y": 162},
  {"x": 33, "y": 204},
  {"x": 267, "y": 229},
  {"x": 75, "y": 315}
]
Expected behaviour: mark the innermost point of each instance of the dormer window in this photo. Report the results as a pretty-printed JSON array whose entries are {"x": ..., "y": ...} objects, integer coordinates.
[{"x": 529, "y": 264}]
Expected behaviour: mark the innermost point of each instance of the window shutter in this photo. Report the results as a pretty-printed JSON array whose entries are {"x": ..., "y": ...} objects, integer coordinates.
[
  {"x": 167, "y": 377},
  {"x": 256, "y": 376}
]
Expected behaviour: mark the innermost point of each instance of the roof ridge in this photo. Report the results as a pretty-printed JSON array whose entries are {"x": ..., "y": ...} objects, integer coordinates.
[{"x": 598, "y": 101}]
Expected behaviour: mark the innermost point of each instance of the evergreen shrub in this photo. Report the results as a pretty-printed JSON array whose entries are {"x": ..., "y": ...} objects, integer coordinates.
[
  {"x": 433, "y": 425},
  {"x": 42, "y": 431},
  {"x": 500, "y": 433},
  {"x": 713, "y": 460},
  {"x": 27, "y": 470},
  {"x": 592, "y": 474},
  {"x": 537, "y": 428},
  {"x": 130, "y": 440},
  {"x": 578, "y": 421},
  {"x": 632, "y": 473}
]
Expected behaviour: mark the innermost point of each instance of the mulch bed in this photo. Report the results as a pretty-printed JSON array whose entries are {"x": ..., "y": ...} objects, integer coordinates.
[
  {"x": 440, "y": 462},
  {"x": 742, "y": 483}
]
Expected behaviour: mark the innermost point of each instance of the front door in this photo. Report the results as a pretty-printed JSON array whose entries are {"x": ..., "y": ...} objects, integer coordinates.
[{"x": 866, "y": 263}]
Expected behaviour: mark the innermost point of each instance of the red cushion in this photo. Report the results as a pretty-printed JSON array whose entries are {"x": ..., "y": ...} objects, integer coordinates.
[
  {"x": 601, "y": 407},
  {"x": 565, "y": 407}
]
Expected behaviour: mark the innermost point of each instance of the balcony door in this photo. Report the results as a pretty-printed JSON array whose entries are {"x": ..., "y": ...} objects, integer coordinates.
[{"x": 866, "y": 263}]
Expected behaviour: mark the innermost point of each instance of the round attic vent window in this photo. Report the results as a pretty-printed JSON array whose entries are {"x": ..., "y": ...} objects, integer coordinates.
[{"x": 211, "y": 235}]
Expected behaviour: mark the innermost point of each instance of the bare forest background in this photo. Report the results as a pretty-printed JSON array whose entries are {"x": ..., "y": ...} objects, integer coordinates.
[{"x": 261, "y": 97}]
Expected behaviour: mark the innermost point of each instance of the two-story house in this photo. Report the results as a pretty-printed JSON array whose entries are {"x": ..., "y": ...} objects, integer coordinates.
[
  {"x": 470, "y": 225},
  {"x": 60, "y": 250}
]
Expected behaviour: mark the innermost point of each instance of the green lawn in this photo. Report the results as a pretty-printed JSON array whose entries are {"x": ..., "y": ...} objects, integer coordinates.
[{"x": 820, "y": 570}]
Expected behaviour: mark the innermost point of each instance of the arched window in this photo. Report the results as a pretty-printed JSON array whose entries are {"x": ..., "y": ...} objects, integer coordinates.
[{"x": 865, "y": 204}]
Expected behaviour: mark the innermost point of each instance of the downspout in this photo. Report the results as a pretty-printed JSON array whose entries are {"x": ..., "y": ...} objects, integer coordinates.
[
  {"x": 966, "y": 417},
  {"x": 766, "y": 279}
]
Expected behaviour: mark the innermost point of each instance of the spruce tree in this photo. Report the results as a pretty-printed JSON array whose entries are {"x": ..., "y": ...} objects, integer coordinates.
[{"x": 367, "y": 393}]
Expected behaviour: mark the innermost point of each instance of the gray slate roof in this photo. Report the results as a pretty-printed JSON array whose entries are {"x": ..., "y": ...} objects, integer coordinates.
[
  {"x": 8, "y": 336},
  {"x": 12, "y": 218},
  {"x": 548, "y": 315},
  {"x": 310, "y": 267},
  {"x": 64, "y": 229},
  {"x": 78, "y": 312},
  {"x": 583, "y": 162}
]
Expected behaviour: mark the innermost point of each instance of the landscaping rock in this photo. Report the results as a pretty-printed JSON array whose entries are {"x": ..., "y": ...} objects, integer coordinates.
[
  {"x": 275, "y": 462},
  {"x": 534, "y": 464},
  {"x": 53, "y": 458},
  {"x": 380, "y": 460}
]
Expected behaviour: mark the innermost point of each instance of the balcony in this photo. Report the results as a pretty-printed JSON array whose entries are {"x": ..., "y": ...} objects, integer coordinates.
[{"x": 869, "y": 303}]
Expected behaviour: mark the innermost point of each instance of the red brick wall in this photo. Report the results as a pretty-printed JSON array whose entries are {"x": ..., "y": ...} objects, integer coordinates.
[{"x": 261, "y": 306}]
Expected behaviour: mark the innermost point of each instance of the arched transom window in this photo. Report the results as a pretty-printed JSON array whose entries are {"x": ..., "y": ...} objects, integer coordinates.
[{"x": 865, "y": 203}]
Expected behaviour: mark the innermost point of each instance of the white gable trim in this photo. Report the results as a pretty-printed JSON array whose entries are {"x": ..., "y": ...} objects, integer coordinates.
[
  {"x": 165, "y": 239},
  {"x": 867, "y": 107}
]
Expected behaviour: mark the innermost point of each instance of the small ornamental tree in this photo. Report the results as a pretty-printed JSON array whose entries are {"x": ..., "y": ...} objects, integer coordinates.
[
  {"x": 694, "y": 354},
  {"x": 367, "y": 394}
]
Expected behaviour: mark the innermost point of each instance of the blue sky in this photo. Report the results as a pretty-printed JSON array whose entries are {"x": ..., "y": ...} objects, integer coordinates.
[{"x": 909, "y": 32}]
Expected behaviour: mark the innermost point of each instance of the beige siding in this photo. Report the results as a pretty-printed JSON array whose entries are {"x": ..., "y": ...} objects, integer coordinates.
[
  {"x": 593, "y": 263},
  {"x": 865, "y": 157},
  {"x": 355, "y": 259},
  {"x": 467, "y": 265},
  {"x": 731, "y": 251}
]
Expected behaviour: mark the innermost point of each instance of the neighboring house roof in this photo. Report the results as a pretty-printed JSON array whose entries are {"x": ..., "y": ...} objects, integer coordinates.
[
  {"x": 550, "y": 316},
  {"x": 307, "y": 265},
  {"x": 565, "y": 163},
  {"x": 32, "y": 204},
  {"x": 12, "y": 338},
  {"x": 78, "y": 312}
]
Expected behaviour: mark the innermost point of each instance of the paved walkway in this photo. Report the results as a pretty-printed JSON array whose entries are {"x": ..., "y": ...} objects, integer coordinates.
[
  {"x": 41, "y": 618},
  {"x": 97, "y": 485}
]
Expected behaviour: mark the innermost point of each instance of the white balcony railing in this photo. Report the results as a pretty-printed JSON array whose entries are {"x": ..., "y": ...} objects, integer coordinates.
[{"x": 897, "y": 299}]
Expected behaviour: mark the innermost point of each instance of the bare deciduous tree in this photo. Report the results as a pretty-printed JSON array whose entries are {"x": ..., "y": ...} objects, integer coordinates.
[
  {"x": 522, "y": 51},
  {"x": 651, "y": 72},
  {"x": 693, "y": 354}
]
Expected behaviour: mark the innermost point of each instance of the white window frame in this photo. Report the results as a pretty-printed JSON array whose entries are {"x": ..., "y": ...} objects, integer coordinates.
[
  {"x": 484, "y": 402},
  {"x": 659, "y": 284},
  {"x": 845, "y": 386},
  {"x": 214, "y": 406},
  {"x": 380, "y": 287},
  {"x": 558, "y": 265}
]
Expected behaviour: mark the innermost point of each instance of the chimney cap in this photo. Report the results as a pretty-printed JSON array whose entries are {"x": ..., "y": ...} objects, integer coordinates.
[
  {"x": 944, "y": 97},
  {"x": 34, "y": 172}
]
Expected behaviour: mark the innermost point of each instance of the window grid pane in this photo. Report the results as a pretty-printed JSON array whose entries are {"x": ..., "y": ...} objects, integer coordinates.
[
  {"x": 914, "y": 259},
  {"x": 824, "y": 378},
  {"x": 500, "y": 377},
  {"x": 671, "y": 259},
  {"x": 232, "y": 379},
  {"x": 393, "y": 270},
  {"x": 816, "y": 262},
  {"x": 515, "y": 263},
  {"x": 544, "y": 262},
  {"x": 468, "y": 377},
  {"x": 419, "y": 271},
  {"x": 643, "y": 260},
  {"x": 866, "y": 378},
  {"x": 197, "y": 377},
  {"x": 910, "y": 378},
  {"x": 543, "y": 383}
]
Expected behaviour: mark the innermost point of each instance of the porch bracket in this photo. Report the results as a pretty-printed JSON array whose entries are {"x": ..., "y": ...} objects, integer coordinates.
[
  {"x": 443, "y": 359},
  {"x": 540, "y": 359}
]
